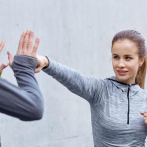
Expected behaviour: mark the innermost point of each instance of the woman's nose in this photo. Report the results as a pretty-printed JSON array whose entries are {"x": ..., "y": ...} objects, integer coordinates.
[{"x": 121, "y": 64}]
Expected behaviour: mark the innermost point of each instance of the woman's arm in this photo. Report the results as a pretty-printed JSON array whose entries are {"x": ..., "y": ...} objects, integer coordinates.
[
  {"x": 88, "y": 88},
  {"x": 25, "y": 101}
]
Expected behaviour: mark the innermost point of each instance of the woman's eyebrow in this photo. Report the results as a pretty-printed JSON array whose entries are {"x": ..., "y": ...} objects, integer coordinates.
[
  {"x": 124, "y": 55},
  {"x": 128, "y": 55}
]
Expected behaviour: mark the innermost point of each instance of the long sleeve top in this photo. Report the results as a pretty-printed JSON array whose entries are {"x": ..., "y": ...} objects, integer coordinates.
[
  {"x": 115, "y": 107},
  {"x": 25, "y": 101}
]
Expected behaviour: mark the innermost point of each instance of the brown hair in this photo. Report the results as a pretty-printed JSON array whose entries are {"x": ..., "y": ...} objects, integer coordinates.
[{"x": 137, "y": 38}]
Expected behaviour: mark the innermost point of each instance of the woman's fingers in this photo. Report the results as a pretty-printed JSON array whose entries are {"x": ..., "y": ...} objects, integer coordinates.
[
  {"x": 39, "y": 64},
  {"x": 142, "y": 113},
  {"x": 30, "y": 41},
  {"x": 4, "y": 65},
  {"x": 10, "y": 58},
  {"x": 19, "y": 51},
  {"x": 1, "y": 46},
  {"x": 25, "y": 41},
  {"x": 37, "y": 70},
  {"x": 35, "y": 47},
  {"x": 145, "y": 116},
  {"x": 145, "y": 119}
]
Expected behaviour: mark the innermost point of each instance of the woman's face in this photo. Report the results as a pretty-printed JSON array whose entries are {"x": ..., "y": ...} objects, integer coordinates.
[{"x": 125, "y": 61}]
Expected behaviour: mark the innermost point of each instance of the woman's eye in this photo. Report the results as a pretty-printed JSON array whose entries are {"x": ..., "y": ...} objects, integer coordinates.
[
  {"x": 116, "y": 57},
  {"x": 128, "y": 58}
]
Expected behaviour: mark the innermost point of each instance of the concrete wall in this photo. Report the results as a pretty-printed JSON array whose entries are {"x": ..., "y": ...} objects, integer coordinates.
[{"x": 77, "y": 33}]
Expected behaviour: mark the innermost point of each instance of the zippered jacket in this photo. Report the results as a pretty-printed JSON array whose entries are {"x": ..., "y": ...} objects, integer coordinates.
[{"x": 115, "y": 107}]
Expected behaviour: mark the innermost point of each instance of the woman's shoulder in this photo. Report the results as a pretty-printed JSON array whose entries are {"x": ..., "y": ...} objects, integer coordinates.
[{"x": 142, "y": 93}]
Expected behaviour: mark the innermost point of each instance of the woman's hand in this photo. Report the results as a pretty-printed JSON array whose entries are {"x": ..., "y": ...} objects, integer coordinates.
[
  {"x": 3, "y": 65},
  {"x": 145, "y": 116},
  {"x": 42, "y": 62},
  {"x": 25, "y": 46}
]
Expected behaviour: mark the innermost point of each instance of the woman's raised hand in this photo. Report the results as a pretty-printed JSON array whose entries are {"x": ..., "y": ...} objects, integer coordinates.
[
  {"x": 3, "y": 65},
  {"x": 26, "y": 46},
  {"x": 42, "y": 62}
]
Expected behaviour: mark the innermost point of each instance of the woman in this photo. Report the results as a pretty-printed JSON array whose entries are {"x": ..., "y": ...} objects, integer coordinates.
[
  {"x": 25, "y": 101},
  {"x": 115, "y": 102}
]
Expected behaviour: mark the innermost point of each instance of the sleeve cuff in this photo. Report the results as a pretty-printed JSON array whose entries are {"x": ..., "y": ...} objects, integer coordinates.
[
  {"x": 48, "y": 68},
  {"x": 24, "y": 61}
]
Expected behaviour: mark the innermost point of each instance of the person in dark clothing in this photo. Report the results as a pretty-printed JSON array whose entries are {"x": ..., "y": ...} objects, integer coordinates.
[{"x": 24, "y": 101}]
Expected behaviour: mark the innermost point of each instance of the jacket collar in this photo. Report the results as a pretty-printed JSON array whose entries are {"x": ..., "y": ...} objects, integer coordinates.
[{"x": 123, "y": 86}]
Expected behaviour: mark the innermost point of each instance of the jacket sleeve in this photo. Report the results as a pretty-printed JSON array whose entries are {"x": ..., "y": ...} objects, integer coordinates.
[
  {"x": 89, "y": 88},
  {"x": 25, "y": 101}
]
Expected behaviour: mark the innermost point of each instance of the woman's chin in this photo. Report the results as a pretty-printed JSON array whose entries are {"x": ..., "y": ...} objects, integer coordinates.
[{"x": 122, "y": 79}]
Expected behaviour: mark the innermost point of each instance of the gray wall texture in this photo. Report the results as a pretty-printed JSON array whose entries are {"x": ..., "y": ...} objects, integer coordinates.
[{"x": 76, "y": 33}]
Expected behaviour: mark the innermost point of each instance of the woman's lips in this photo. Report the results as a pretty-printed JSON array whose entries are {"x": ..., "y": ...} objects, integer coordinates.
[{"x": 121, "y": 72}]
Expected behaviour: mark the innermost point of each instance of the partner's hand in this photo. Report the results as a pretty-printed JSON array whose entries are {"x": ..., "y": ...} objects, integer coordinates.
[
  {"x": 145, "y": 116},
  {"x": 25, "y": 46},
  {"x": 42, "y": 62},
  {"x": 3, "y": 65}
]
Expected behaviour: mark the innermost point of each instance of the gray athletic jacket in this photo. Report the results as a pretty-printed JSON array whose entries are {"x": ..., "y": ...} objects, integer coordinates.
[{"x": 115, "y": 107}]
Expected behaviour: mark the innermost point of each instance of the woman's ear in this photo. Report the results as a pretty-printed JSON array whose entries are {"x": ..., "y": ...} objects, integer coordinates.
[{"x": 141, "y": 61}]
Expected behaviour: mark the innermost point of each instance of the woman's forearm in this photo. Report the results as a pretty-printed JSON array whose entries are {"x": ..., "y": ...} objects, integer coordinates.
[{"x": 74, "y": 81}]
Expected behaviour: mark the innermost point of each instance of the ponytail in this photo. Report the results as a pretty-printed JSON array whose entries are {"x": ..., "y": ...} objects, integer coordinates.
[{"x": 141, "y": 74}]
